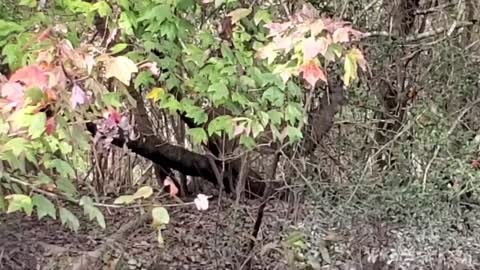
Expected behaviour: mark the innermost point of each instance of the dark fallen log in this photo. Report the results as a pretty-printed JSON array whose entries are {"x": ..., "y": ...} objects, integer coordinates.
[{"x": 185, "y": 161}]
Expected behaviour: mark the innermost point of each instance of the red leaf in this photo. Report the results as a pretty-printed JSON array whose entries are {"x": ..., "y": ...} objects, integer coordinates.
[
  {"x": 50, "y": 126},
  {"x": 13, "y": 93},
  {"x": 312, "y": 47},
  {"x": 31, "y": 76},
  {"x": 44, "y": 35},
  {"x": 475, "y": 163},
  {"x": 312, "y": 73},
  {"x": 172, "y": 188}
]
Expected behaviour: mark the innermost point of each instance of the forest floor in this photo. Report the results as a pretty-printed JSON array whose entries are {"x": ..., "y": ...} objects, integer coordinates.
[{"x": 372, "y": 230}]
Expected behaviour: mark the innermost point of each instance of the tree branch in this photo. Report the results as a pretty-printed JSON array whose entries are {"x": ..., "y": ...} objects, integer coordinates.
[{"x": 424, "y": 35}]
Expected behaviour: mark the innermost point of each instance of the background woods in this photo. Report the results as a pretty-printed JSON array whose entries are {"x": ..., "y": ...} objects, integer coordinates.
[{"x": 248, "y": 134}]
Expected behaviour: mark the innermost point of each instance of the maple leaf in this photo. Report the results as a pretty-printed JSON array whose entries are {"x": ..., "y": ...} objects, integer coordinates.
[
  {"x": 317, "y": 27},
  {"x": 341, "y": 35},
  {"x": 172, "y": 188},
  {"x": 277, "y": 28},
  {"x": 78, "y": 96},
  {"x": 357, "y": 54},
  {"x": 31, "y": 76},
  {"x": 284, "y": 43},
  {"x": 13, "y": 93},
  {"x": 312, "y": 73},
  {"x": 121, "y": 68},
  {"x": 50, "y": 126},
  {"x": 312, "y": 47}
]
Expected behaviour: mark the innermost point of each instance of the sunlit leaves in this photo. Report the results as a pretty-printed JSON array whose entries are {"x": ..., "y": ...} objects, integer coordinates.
[
  {"x": 37, "y": 125},
  {"x": 19, "y": 202},
  {"x": 118, "y": 48},
  {"x": 16, "y": 145},
  {"x": 121, "y": 68},
  {"x": 7, "y": 27},
  {"x": 262, "y": 15},
  {"x": 124, "y": 199},
  {"x": 312, "y": 47},
  {"x": 143, "y": 192},
  {"x": 156, "y": 93},
  {"x": 103, "y": 8}
]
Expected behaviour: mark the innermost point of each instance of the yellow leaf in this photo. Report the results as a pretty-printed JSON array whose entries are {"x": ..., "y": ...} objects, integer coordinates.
[
  {"x": 160, "y": 217},
  {"x": 121, "y": 68},
  {"x": 143, "y": 192},
  {"x": 125, "y": 199},
  {"x": 239, "y": 14},
  {"x": 156, "y": 93}
]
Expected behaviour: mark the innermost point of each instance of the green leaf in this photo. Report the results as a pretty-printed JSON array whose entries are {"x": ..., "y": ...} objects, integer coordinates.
[
  {"x": 103, "y": 8},
  {"x": 160, "y": 217},
  {"x": 35, "y": 95},
  {"x": 62, "y": 167},
  {"x": 275, "y": 117},
  {"x": 198, "y": 135},
  {"x": 112, "y": 99},
  {"x": 219, "y": 90},
  {"x": 92, "y": 211},
  {"x": 69, "y": 219},
  {"x": 248, "y": 142},
  {"x": 19, "y": 201},
  {"x": 144, "y": 78},
  {"x": 37, "y": 125},
  {"x": 293, "y": 114},
  {"x": 124, "y": 199},
  {"x": 118, "y": 48},
  {"x": 221, "y": 123},
  {"x": 44, "y": 206},
  {"x": 143, "y": 192},
  {"x": 160, "y": 13},
  {"x": 294, "y": 134},
  {"x": 262, "y": 16},
  {"x": 4, "y": 127},
  {"x": 28, "y": 3},
  {"x": 66, "y": 186},
  {"x": 256, "y": 127},
  {"x": 218, "y": 3},
  {"x": 125, "y": 23},
  {"x": 274, "y": 95},
  {"x": 7, "y": 28},
  {"x": 16, "y": 145}
]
